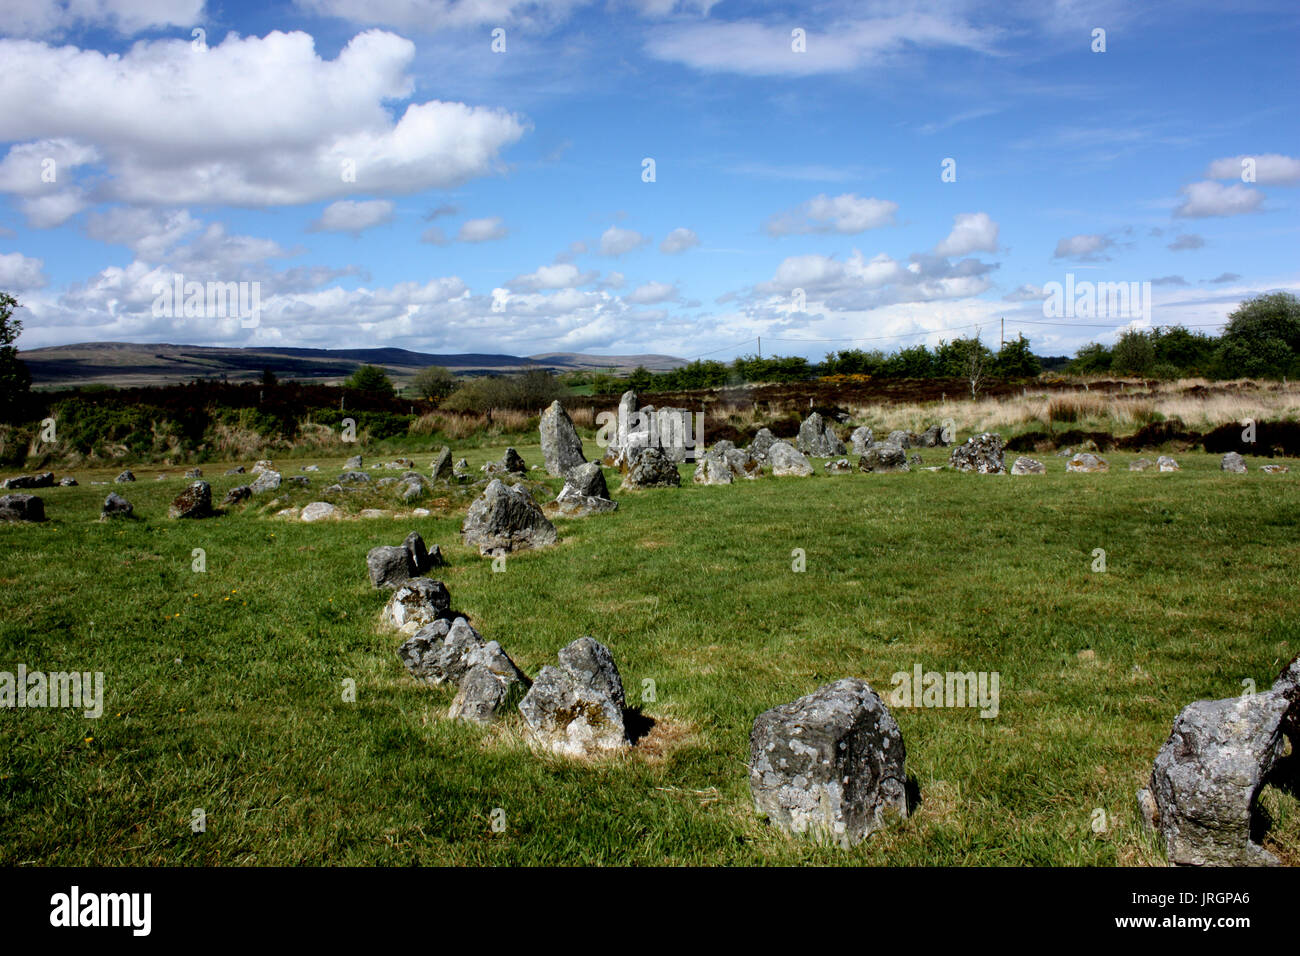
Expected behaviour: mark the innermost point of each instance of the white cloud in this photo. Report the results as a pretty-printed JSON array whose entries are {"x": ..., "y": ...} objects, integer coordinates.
[
  {"x": 846, "y": 214},
  {"x": 19, "y": 273},
  {"x": 652, "y": 293},
  {"x": 1026, "y": 293},
  {"x": 971, "y": 232},
  {"x": 616, "y": 242},
  {"x": 33, "y": 18},
  {"x": 679, "y": 240},
  {"x": 1271, "y": 169},
  {"x": 561, "y": 275},
  {"x": 251, "y": 121},
  {"x": 1208, "y": 198},
  {"x": 1085, "y": 247},
  {"x": 354, "y": 216},
  {"x": 147, "y": 232},
  {"x": 482, "y": 230},
  {"x": 429, "y": 16}
]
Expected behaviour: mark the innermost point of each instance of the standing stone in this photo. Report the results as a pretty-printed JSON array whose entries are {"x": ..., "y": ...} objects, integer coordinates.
[
  {"x": 981, "y": 454},
  {"x": 115, "y": 506},
  {"x": 762, "y": 443},
  {"x": 491, "y": 685},
  {"x": 903, "y": 439},
  {"x": 1234, "y": 463},
  {"x": 391, "y": 566},
  {"x": 439, "y": 652},
  {"x": 932, "y": 437},
  {"x": 585, "y": 491},
  {"x": 441, "y": 469},
  {"x": 460, "y": 469},
  {"x": 1028, "y": 466},
  {"x": 1087, "y": 462},
  {"x": 262, "y": 466},
  {"x": 627, "y": 409},
  {"x": 505, "y": 519},
  {"x": 713, "y": 470},
  {"x": 235, "y": 495},
  {"x": 21, "y": 508},
  {"x": 194, "y": 502},
  {"x": 788, "y": 461},
  {"x": 829, "y": 765},
  {"x": 124, "y": 477},
  {"x": 576, "y": 709},
  {"x": 1203, "y": 794},
  {"x": 43, "y": 480},
  {"x": 652, "y": 469},
  {"x": 266, "y": 480},
  {"x": 884, "y": 458},
  {"x": 352, "y": 464},
  {"x": 817, "y": 438},
  {"x": 320, "y": 511},
  {"x": 561, "y": 446},
  {"x": 861, "y": 439},
  {"x": 1166, "y": 463},
  {"x": 416, "y": 603}
]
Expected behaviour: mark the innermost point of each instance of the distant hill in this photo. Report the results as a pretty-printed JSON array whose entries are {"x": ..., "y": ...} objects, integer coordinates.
[{"x": 130, "y": 364}]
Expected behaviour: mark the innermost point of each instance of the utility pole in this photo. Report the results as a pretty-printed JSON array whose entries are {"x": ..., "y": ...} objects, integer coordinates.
[
  {"x": 760, "y": 346},
  {"x": 1002, "y": 336}
]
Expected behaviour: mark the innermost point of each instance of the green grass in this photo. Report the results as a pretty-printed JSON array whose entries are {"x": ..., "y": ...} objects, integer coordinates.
[{"x": 224, "y": 689}]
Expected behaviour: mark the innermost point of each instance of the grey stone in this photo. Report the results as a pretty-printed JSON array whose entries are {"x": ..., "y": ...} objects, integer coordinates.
[
  {"x": 1088, "y": 463},
  {"x": 903, "y": 439},
  {"x": 932, "y": 437},
  {"x": 440, "y": 652},
  {"x": 1234, "y": 463},
  {"x": 585, "y": 492},
  {"x": 124, "y": 477},
  {"x": 43, "y": 480},
  {"x": 788, "y": 461},
  {"x": 861, "y": 439},
  {"x": 194, "y": 473},
  {"x": 1165, "y": 463},
  {"x": 829, "y": 765},
  {"x": 115, "y": 506},
  {"x": 67, "y": 482},
  {"x": 1028, "y": 466},
  {"x": 561, "y": 446},
  {"x": 266, "y": 480},
  {"x": 441, "y": 469},
  {"x": 237, "y": 470},
  {"x": 576, "y": 709},
  {"x": 761, "y": 444},
  {"x": 505, "y": 519},
  {"x": 319, "y": 511},
  {"x": 981, "y": 454},
  {"x": 235, "y": 495},
  {"x": 262, "y": 466},
  {"x": 353, "y": 477},
  {"x": 884, "y": 458},
  {"x": 194, "y": 502},
  {"x": 1139, "y": 464},
  {"x": 652, "y": 469},
  {"x": 1271, "y": 468},
  {"x": 21, "y": 507},
  {"x": 354, "y": 463},
  {"x": 817, "y": 438},
  {"x": 840, "y": 466},
  {"x": 418, "y": 602},
  {"x": 491, "y": 685}
]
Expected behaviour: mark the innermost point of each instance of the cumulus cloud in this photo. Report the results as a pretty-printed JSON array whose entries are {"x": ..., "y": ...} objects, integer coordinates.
[
  {"x": 1084, "y": 247},
  {"x": 652, "y": 293},
  {"x": 428, "y": 16},
  {"x": 561, "y": 275},
  {"x": 146, "y": 231},
  {"x": 256, "y": 121},
  {"x": 19, "y": 273},
  {"x": 1271, "y": 169},
  {"x": 679, "y": 240},
  {"x": 615, "y": 241},
  {"x": 354, "y": 216},
  {"x": 845, "y": 214},
  {"x": 482, "y": 230},
  {"x": 971, "y": 232},
  {"x": 1026, "y": 293},
  {"x": 34, "y": 18},
  {"x": 1189, "y": 240},
  {"x": 1208, "y": 198}
]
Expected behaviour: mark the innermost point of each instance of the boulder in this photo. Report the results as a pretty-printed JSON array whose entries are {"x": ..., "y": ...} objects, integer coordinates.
[
  {"x": 1202, "y": 798},
  {"x": 1087, "y": 462},
  {"x": 440, "y": 470},
  {"x": 1165, "y": 463},
  {"x": 585, "y": 491},
  {"x": 576, "y": 709},
  {"x": 861, "y": 439},
  {"x": 652, "y": 469},
  {"x": 505, "y": 518},
  {"x": 235, "y": 495},
  {"x": 829, "y": 765},
  {"x": 1028, "y": 466},
  {"x": 353, "y": 477},
  {"x": 21, "y": 507},
  {"x": 43, "y": 480},
  {"x": 261, "y": 466},
  {"x": 418, "y": 602},
  {"x": 1269, "y": 469},
  {"x": 788, "y": 461},
  {"x": 460, "y": 469},
  {"x": 354, "y": 463},
  {"x": 237, "y": 470},
  {"x": 1234, "y": 463},
  {"x": 440, "y": 651},
  {"x": 932, "y": 437},
  {"x": 67, "y": 482},
  {"x": 561, "y": 446},
  {"x": 115, "y": 506},
  {"x": 817, "y": 438},
  {"x": 513, "y": 463},
  {"x": 981, "y": 454},
  {"x": 903, "y": 439},
  {"x": 194, "y": 502},
  {"x": 713, "y": 470},
  {"x": 761, "y": 444},
  {"x": 491, "y": 685},
  {"x": 391, "y": 566},
  {"x": 1140, "y": 464},
  {"x": 311, "y": 467},
  {"x": 266, "y": 480},
  {"x": 124, "y": 477},
  {"x": 320, "y": 511},
  {"x": 884, "y": 458}
]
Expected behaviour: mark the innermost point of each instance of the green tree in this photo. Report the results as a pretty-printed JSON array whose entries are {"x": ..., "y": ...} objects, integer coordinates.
[
  {"x": 1133, "y": 354},
  {"x": 1091, "y": 359},
  {"x": 434, "y": 383},
  {"x": 1016, "y": 360},
  {"x": 370, "y": 378},
  {"x": 1262, "y": 338},
  {"x": 15, "y": 380},
  {"x": 640, "y": 379}
]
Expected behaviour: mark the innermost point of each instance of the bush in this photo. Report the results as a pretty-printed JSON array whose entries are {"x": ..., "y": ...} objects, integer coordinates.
[{"x": 530, "y": 392}]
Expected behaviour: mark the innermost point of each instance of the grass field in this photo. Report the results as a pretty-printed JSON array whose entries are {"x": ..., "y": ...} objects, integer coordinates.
[{"x": 224, "y": 688}]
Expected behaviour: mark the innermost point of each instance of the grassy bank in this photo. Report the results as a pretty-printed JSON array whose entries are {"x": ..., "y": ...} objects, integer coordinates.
[{"x": 224, "y": 688}]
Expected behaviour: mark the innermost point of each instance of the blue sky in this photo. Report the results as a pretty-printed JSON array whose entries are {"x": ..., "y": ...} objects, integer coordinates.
[{"x": 498, "y": 201}]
